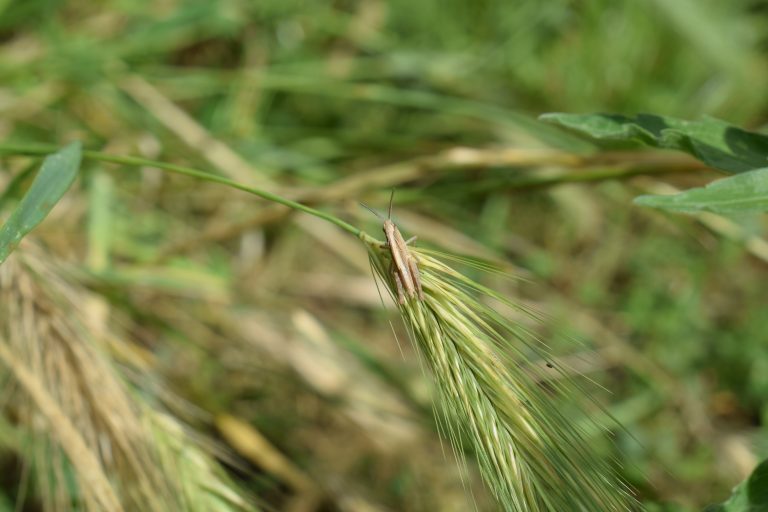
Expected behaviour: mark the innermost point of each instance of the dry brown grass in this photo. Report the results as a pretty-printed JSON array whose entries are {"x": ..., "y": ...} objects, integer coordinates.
[{"x": 84, "y": 420}]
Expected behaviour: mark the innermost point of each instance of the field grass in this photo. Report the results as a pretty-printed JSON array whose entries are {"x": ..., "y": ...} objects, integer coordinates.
[{"x": 252, "y": 339}]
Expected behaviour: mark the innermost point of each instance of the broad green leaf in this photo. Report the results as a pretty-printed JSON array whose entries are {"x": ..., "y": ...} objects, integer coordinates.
[
  {"x": 56, "y": 175},
  {"x": 743, "y": 193},
  {"x": 714, "y": 142},
  {"x": 750, "y": 495}
]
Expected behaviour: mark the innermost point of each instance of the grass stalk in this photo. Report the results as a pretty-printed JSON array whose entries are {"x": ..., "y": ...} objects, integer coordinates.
[{"x": 185, "y": 171}]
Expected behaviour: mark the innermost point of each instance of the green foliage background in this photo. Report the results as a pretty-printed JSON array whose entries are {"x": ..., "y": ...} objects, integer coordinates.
[{"x": 671, "y": 314}]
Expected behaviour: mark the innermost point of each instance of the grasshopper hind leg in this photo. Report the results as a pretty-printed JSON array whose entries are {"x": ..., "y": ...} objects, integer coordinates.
[{"x": 416, "y": 276}]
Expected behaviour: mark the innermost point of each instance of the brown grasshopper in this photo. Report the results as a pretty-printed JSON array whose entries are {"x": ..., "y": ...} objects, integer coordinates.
[{"x": 403, "y": 267}]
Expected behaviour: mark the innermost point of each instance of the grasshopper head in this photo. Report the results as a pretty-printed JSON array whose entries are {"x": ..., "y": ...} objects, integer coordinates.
[{"x": 389, "y": 227}]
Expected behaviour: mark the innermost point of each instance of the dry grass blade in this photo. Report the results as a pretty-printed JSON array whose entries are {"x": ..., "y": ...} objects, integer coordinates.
[
  {"x": 87, "y": 425},
  {"x": 531, "y": 454},
  {"x": 96, "y": 485}
]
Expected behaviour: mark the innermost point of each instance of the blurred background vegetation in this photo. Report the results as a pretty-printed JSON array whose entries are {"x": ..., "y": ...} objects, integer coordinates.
[{"x": 263, "y": 330}]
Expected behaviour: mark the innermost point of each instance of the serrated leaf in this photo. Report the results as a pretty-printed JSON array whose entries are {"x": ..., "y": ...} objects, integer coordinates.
[
  {"x": 55, "y": 177},
  {"x": 714, "y": 142},
  {"x": 743, "y": 193},
  {"x": 749, "y": 496}
]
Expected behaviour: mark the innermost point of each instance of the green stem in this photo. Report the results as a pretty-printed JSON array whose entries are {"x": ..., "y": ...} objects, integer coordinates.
[
  {"x": 187, "y": 171},
  {"x": 520, "y": 183},
  {"x": 599, "y": 174}
]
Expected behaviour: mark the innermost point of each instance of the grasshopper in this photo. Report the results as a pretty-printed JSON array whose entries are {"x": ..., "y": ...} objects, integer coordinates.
[{"x": 403, "y": 266}]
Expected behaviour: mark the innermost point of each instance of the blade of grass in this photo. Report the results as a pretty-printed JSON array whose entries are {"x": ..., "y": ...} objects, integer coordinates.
[
  {"x": 399, "y": 97},
  {"x": 186, "y": 171},
  {"x": 54, "y": 179}
]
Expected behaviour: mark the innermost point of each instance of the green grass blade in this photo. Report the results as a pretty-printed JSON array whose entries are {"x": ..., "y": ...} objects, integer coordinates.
[
  {"x": 55, "y": 177},
  {"x": 194, "y": 173},
  {"x": 701, "y": 25}
]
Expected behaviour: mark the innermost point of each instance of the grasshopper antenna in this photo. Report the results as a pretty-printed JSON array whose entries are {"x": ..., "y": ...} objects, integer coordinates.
[
  {"x": 371, "y": 210},
  {"x": 391, "y": 197}
]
